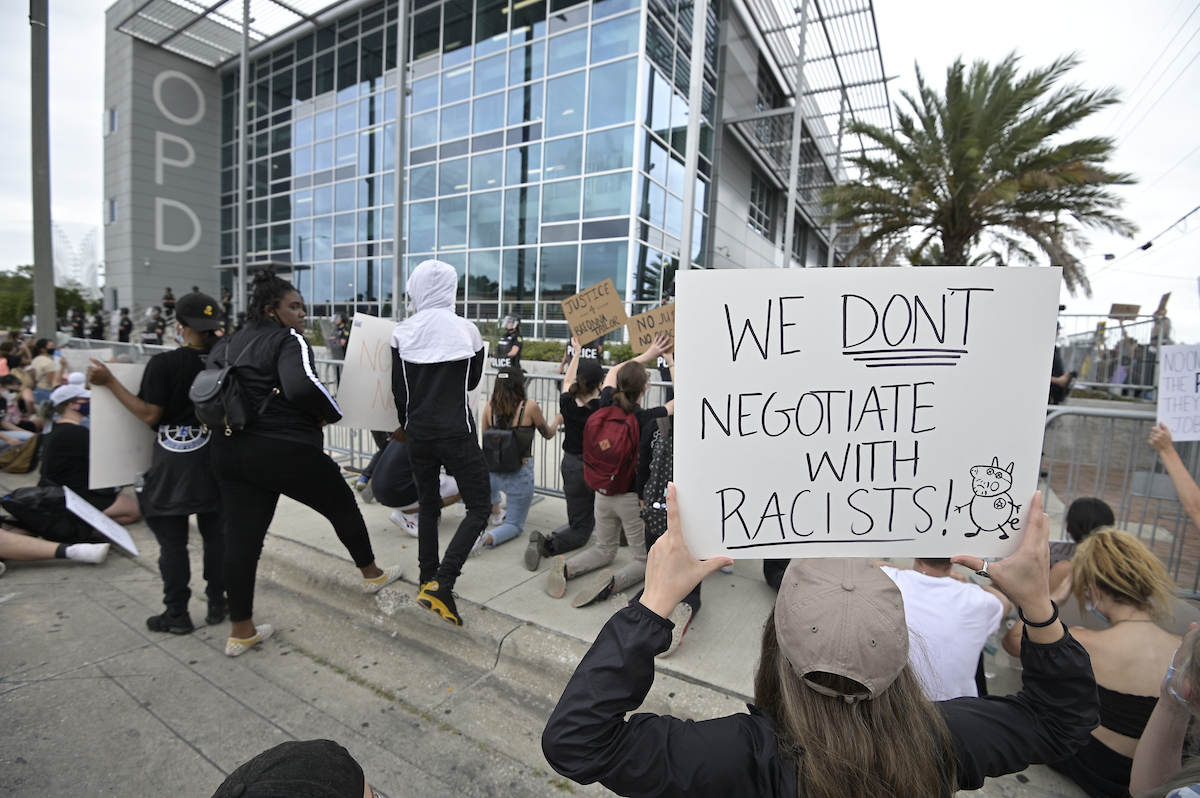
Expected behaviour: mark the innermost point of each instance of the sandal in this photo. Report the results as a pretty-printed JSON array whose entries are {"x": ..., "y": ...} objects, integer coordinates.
[{"x": 236, "y": 646}]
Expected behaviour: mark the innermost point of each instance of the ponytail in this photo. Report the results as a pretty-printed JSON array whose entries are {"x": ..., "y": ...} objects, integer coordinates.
[{"x": 631, "y": 383}]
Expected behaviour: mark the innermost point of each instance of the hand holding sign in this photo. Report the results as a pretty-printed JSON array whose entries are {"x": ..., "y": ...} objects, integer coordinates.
[
  {"x": 1179, "y": 391},
  {"x": 645, "y": 326},
  {"x": 596, "y": 311}
]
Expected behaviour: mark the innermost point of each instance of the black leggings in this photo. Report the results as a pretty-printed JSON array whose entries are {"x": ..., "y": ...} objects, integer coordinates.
[
  {"x": 252, "y": 472},
  {"x": 172, "y": 534}
]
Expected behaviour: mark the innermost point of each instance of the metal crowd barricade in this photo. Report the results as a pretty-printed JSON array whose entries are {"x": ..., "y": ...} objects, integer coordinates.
[
  {"x": 1117, "y": 353},
  {"x": 1102, "y": 451}
]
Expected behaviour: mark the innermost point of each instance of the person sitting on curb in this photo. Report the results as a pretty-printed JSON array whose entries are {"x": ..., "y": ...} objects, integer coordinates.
[
  {"x": 398, "y": 489},
  {"x": 19, "y": 545}
]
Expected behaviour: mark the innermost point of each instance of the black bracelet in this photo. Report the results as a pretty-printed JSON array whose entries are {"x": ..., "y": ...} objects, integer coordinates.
[{"x": 1028, "y": 622}]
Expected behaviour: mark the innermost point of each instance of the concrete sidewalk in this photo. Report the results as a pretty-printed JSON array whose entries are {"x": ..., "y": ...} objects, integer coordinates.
[{"x": 530, "y": 641}]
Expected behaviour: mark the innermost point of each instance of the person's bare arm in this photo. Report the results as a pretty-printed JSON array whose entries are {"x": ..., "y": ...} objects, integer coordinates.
[
  {"x": 1185, "y": 486},
  {"x": 1160, "y": 750},
  {"x": 1004, "y": 602},
  {"x": 486, "y": 421},
  {"x": 98, "y": 374},
  {"x": 573, "y": 369},
  {"x": 662, "y": 342},
  {"x": 539, "y": 420}
]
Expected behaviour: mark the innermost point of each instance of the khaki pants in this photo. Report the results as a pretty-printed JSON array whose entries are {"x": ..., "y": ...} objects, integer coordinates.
[{"x": 613, "y": 513}]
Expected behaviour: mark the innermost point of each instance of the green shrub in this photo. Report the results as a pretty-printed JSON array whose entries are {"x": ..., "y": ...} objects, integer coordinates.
[{"x": 618, "y": 353}]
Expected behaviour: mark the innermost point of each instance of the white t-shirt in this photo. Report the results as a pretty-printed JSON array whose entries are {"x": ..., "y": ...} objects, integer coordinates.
[{"x": 948, "y": 624}]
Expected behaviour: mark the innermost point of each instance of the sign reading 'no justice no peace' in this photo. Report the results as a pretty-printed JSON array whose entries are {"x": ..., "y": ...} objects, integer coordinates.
[{"x": 861, "y": 412}]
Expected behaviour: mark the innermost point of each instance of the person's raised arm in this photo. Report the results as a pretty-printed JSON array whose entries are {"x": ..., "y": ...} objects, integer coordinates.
[
  {"x": 671, "y": 570},
  {"x": 98, "y": 374},
  {"x": 1160, "y": 749},
  {"x": 573, "y": 369},
  {"x": 1025, "y": 576},
  {"x": 662, "y": 342},
  {"x": 539, "y": 420},
  {"x": 1185, "y": 486}
]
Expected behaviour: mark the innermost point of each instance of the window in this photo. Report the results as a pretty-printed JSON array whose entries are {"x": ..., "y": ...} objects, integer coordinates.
[
  {"x": 769, "y": 95},
  {"x": 111, "y": 127},
  {"x": 761, "y": 205},
  {"x": 111, "y": 212}
]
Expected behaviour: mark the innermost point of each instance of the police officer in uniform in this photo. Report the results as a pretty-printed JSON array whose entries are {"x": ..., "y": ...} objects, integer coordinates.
[
  {"x": 124, "y": 326},
  {"x": 593, "y": 350},
  {"x": 153, "y": 332},
  {"x": 96, "y": 333},
  {"x": 508, "y": 349}
]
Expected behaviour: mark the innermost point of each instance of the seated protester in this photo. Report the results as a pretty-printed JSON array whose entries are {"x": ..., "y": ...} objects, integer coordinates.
[
  {"x": 44, "y": 369},
  {"x": 65, "y": 456},
  {"x": 948, "y": 624},
  {"x": 19, "y": 412},
  {"x": 1083, "y": 516},
  {"x": 19, "y": 545},
  {"x": 311, "y": 768},
  {"x": 839, "y": 709},
  {"x": 396, "y": 487}
]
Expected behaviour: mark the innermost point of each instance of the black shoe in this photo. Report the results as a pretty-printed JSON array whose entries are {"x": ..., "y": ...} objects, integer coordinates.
[
  {"x": 439, "y": 599},
  {"x": 217, "y": 611},
  {"x": 535, "y": 551},
  {"x": 181, "y": 625}
]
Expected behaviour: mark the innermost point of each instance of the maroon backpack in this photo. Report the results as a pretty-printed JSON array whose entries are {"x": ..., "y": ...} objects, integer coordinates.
[{"x": 610, "y": 450}]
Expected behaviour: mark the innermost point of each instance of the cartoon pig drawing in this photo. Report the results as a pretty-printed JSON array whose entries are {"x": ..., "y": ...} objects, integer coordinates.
[{"x": 992, "y": 508}]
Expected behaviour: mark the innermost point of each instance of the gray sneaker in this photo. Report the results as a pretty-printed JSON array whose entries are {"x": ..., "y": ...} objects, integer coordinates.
[
  {"x": 556, "y": 577},
  {"x": 535, "y": 551}
]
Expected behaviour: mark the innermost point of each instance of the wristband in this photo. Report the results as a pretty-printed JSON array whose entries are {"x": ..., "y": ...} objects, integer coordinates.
[{"x": 1027, "y": 622}]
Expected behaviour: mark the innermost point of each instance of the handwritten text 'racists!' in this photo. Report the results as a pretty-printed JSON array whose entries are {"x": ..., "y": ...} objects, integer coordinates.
[
  {"x": 888, "y": 321},
  {"x": 893, "y": 514},
  {"x": 883, "y": 408}
]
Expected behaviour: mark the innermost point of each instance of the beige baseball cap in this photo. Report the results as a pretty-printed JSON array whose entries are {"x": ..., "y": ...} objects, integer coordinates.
[{"x": 843, "y": 616}]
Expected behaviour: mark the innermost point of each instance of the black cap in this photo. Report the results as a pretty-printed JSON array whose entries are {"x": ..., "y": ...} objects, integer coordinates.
[
  {"x": 200, "y": 312},
  {"x": 297, "y": 769},
  {"x": 590, "y": 372}
]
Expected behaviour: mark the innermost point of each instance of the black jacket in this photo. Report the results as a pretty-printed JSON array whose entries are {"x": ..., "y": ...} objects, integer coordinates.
[
  {"x": 269, "y": 355},
  {"x": 588, "y": 738},
  {"x": 432, "y": 401}
]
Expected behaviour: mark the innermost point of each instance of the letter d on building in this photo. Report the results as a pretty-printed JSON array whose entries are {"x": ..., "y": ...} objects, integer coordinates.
[{"x": 159, "y": 243}]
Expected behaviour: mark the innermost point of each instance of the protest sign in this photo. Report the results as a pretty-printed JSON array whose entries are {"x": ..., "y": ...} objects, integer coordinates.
[
  {"x": 644, "y": 326},
  {"x": 80, "y": 359},
  {"x": 595, "y": 311},
  {"x": 365, "y": 390},
  {"x": 1179, "y": 391},
  {"x": 100, "y": 522},
  {"x": 122, "y": 445},
  {"x": 861, "y": 412}
]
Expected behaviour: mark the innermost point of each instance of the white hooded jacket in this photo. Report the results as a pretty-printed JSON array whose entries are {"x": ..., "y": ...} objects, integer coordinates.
[{"x": 437, "y": 358}]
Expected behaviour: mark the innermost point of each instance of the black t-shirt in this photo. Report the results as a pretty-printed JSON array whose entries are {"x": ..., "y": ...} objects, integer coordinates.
[
  {"x": 123, "y": 329},
  {"x": 14, "y": 362},
  {"x": 510, "y": 339},
  {"x": 574, "y": 417},
  {"x": 65, "y": 457},
  {"x": 166, "y": 382}
]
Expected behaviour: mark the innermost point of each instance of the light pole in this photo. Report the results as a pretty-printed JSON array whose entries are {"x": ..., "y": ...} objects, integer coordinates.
[{"x": 45, "y": 313}]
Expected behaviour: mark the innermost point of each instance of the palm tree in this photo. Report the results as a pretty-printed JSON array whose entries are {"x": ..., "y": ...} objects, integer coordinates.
[{"x": 982, "y": 164}]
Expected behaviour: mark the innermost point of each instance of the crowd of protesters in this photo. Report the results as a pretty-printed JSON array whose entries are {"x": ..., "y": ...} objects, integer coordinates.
[{"x": 869, "y": 679}]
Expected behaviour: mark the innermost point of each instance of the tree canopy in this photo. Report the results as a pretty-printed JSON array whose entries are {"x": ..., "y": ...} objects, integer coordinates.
[
  {"x": 16, "y": 298},
  {"x": 980, "y": 171}
]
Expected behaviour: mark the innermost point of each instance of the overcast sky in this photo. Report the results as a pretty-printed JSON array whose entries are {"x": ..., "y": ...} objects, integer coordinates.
[{"x": 1146, "y": 50}]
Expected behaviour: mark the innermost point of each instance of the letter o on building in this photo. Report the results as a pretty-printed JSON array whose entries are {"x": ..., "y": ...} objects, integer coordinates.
[{"x": 163, "y": 77}]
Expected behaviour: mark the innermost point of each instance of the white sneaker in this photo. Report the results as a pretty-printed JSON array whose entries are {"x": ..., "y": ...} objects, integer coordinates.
[
  {"x": 477, "y": 549},
  {"x": 726, "y": 569},
  {"x": 406, "y": 521},
  {"x": 496, "y": 519},
  {"x": 88, "y": 552}
]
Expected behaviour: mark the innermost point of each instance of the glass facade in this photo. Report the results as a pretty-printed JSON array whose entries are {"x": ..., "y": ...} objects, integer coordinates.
[{"x": 545, "y": 152}]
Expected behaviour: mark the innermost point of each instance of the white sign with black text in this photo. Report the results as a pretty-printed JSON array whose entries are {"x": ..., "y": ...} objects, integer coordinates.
[{"x": 861, "y": 412}]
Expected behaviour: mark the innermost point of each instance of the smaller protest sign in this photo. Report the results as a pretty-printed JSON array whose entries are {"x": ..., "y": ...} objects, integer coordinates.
[
  {"x": 85, "y": 512},
  {"x": 595, "y": 311},
  {"x": 122, "y": 445},
  {"x": 1179, "y": 391},
  {"x": 80, "y": 359},
  {"x": 365, "y": 390},
  {"x": 644, "y": 326},
  {"x": 1123, "y": 311}
]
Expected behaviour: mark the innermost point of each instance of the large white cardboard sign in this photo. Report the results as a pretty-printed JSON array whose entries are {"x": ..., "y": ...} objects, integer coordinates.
[
  {"x": 861, "y": 412},
  {"x": 122, "y": 445},
  {"x": 365, "y": 390},
  {"x": 1179, "y": 391},
  {"x": 80, "y": 359}
]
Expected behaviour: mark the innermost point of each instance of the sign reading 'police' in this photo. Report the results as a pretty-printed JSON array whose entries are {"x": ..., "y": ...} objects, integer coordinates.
[{"x": 861, "y": 412}]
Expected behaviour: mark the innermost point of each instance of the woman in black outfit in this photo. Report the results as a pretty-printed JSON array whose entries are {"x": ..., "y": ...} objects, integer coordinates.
[
  {"x": 839, "y": 712},
  {"x": 180, "y": 481},
  {"x": 280, "y": 451}
]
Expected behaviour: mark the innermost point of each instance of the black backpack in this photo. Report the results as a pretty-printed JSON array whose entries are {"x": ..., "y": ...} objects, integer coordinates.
[
  {"x": 662, "y": 468},
  {"x": 501, "y": 449},
  {"x": 220, "y": 401}
]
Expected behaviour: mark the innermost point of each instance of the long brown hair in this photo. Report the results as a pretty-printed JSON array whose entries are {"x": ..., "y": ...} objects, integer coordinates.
[
  {"x": 1121, "y": 566},
  {"x": 507, "y": 394},
  {"x": 631, "y": 383},
  {"x": 896, "y": 744}
]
